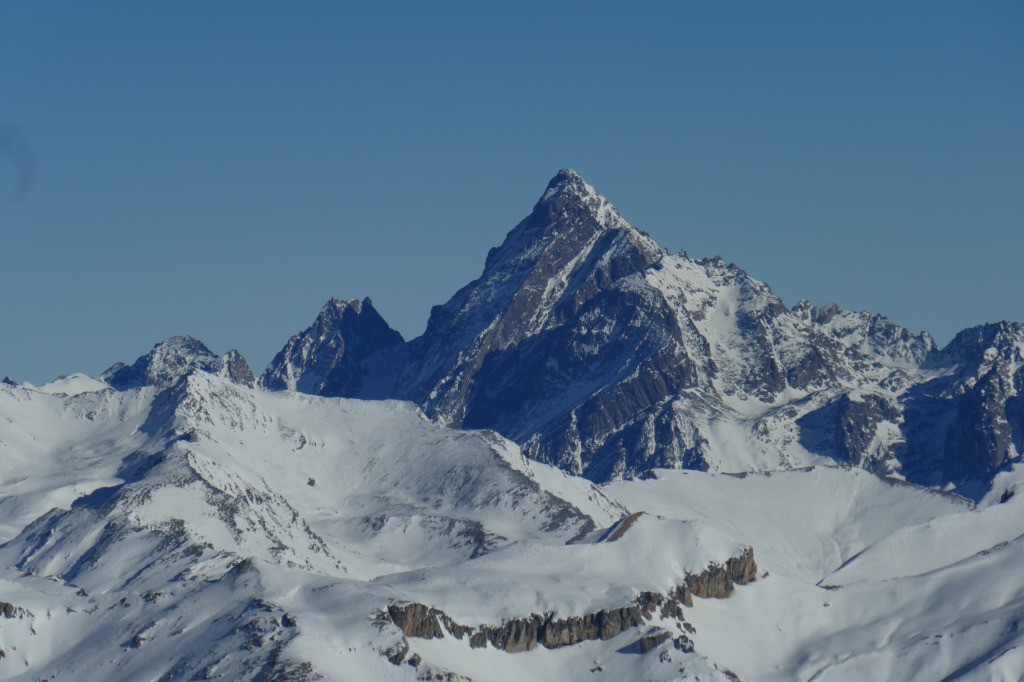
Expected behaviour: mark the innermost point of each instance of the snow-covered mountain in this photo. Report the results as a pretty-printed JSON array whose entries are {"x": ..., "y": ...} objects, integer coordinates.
[
  {"x": 774, "y": 493},
  {"x": 173, "y": 358},
  {"x": 601, "y": 353},
  {"x": 199, "y": 528},
  {"x": 142, "y": 525}
]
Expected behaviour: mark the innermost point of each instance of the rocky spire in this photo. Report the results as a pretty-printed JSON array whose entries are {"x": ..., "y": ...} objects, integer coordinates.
[{"x": 332, "y": 356}]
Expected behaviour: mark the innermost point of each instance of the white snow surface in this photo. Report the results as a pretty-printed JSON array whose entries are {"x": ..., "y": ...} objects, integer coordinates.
[
  {"x": 210, "y": 530},
  {"x": 73, "y": 384},
  {"x": 867, "y": 579}
]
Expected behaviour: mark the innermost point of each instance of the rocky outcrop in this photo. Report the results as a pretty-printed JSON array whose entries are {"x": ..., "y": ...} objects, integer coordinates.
[
  {"x": 967, "y": 423},
  {"x": 417, "y": 620},
  {"x": 653, "y": 640},
  {"x": 619, "y": 529},
  {"x": 10, "y": 611},
  {"x": 717, "y": 581},
  {"x": 523, "y": 634}
]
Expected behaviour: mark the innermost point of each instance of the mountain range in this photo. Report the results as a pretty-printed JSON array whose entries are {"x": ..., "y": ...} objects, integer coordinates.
[
  {"x": 600, "y": 461},
  {"x": 599, "y": 352}
]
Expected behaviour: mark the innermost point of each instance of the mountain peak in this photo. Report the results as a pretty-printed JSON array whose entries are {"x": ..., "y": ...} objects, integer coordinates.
[
  {"x": 326, "y": 358},
  {"x": 993, "y": 339},
  {"x": 173, "y": 358},
  {"x": 568, "y": 197},
  {"x": 570, "y": 212},
  {"x": 339, "y": 307},
  {"x": 188, "y": 344},
  {"x": 567, "y": 180}
]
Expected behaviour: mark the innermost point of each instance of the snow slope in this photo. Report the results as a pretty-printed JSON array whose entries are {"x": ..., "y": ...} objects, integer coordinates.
[
  {"x": 866, "y": 578},
  {"x": 143, "y": 524},
  {"x": 72, "y": 384},
  {"x": 202, "y": 528}
]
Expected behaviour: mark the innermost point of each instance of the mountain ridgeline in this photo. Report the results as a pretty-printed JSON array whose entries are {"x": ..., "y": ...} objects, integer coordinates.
[
  {"x": 178, "y": 518},
  {"x": 599, "y": 352}
]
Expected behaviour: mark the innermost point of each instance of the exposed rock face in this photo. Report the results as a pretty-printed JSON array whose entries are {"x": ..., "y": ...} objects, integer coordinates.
[
  {"x": 520, "y": 634},
  {"x": 624, "y": 525},
  {"x": 718, "y": 581},
  {"x": 235, "y": 367},
  {"x": 174, "y": 358},
  {"x": 582, "y": 333},
  {"x": 525, "y": 634},
  {"x": 653, "y": 640},
  {"x": 969, "y": 423},
  {"x": 870, "y": 335},
  {"x": 572, "y": 232},
  {"x": 9, "y": 611},
  {"x": 847, "y": 430},
  {"x": 345, "y": 352},
  {"x": 417, "y": 620},
  {"x": 962, "y": 423},
  {"x": 597, "y": 351}
]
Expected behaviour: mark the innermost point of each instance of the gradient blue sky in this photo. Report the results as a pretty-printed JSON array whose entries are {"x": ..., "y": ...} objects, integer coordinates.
[{"x": 221, "y": 169}]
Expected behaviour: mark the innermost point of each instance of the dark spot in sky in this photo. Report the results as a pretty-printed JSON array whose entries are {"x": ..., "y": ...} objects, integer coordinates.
[{"x": 16, "y": 153}]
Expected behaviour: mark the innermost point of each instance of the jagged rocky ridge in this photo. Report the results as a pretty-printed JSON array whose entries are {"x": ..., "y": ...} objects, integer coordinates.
[
  {"x": 199, "y": 528},
  {"x": 551, "y": 632},
  {"x": 601, "y": 353}
]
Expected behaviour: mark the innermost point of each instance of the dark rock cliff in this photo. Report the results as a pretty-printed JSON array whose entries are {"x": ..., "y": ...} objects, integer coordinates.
[
  {"x": 345, "y": 352},
  {"x": 527, "y": 633}
]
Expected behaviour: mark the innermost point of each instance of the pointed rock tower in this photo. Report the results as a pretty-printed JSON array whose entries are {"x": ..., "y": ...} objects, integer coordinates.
[{"x": 345, "y": 352}]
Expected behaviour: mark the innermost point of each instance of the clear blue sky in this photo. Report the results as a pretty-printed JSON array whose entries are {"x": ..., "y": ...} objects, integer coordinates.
[{"x": 221, "y": 169}]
